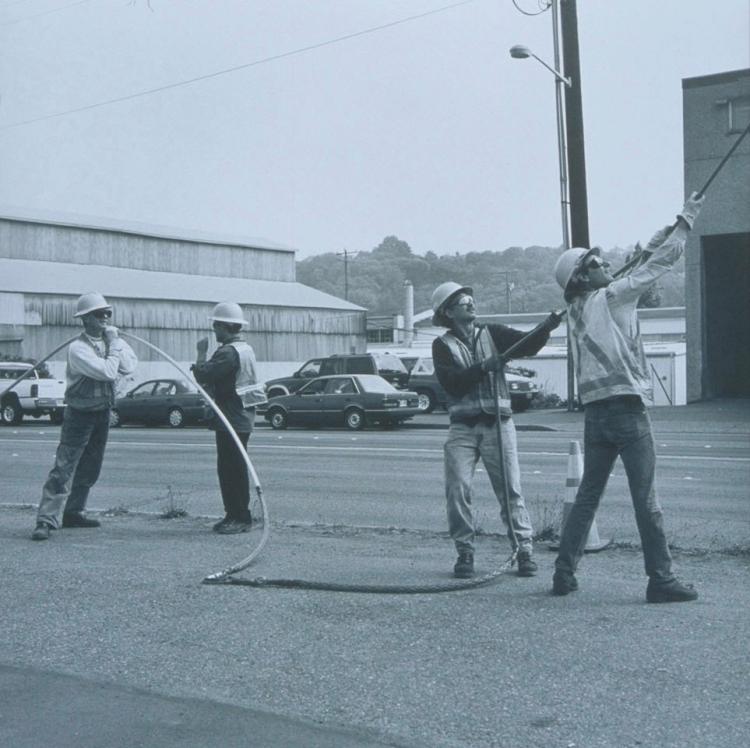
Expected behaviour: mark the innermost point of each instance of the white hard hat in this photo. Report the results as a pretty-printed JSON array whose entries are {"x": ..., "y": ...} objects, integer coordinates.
[
  {"x": 441, "y": 295},
  {"x": 569, "y": 261},
  {"x": 229, "y": 312},
  {"x": 90, "y": 302}
]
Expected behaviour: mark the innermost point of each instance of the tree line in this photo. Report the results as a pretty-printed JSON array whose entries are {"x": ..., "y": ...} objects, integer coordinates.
[{"x": 516, "y": 279}]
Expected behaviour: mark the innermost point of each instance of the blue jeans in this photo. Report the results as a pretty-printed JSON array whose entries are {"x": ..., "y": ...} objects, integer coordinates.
[
  {"x": 78, "y": 462},
  {"x": 618, "y": 426},
  {"x": 465, "y": 445}
]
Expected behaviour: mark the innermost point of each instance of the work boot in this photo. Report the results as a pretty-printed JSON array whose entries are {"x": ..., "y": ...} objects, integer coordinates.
[
  {"x": 76, "y": 519},
  {"x": 526, "y": 565},
  {"x": 233, "y": 527},
  {"x": 215, "y": 527},
  {"x": 464, "y": 566},
  {"x": 41, "y": 531},
  {"x": 670, "y": 592},
  {"x": 563, "y": 582}
]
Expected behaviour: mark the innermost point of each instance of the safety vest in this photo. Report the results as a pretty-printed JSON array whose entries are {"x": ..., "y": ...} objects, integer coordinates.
[
  {"x": 86, "y": 393},
  {"x": 246, "y": 383},
  {"x": 480, "y": 399},
  {"x": 608, "y": 361}
]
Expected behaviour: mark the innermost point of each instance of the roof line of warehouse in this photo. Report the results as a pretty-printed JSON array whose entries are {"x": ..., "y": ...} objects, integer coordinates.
[
  {"x": 97, "y": 223},
  {"x": 66, "y": 278}
]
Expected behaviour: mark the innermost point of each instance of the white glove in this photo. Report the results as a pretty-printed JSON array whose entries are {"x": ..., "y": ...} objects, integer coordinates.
[
  {"x": 658, "y": 238},
  {"x": 110, "y": 333},
  {"x": 691, "y": 208}
]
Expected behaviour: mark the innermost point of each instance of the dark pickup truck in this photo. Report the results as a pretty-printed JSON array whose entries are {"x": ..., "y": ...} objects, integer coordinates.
[{"x": 386, "y": 365}]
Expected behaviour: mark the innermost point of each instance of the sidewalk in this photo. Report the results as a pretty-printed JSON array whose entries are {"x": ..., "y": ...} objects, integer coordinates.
[{"x": 116, "y": 639}]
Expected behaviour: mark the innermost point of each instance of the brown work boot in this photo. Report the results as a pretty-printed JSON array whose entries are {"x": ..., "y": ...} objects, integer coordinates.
[
  {"x": 563, "y": 583},
  {"x": 464, "y": 566},
  {"x": 526, "y": 565},
  {"x": 671, "y": 592},
  {"x": 41, "y": 531}
]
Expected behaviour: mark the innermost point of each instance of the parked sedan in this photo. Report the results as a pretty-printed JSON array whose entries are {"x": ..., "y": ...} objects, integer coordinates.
[
  {"x": 174, "y": 402},
  {"x": 353, "y": 401}
]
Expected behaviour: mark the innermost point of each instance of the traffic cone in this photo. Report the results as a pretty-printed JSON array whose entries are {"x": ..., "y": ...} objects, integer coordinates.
[{"x": 575, "y": 473}]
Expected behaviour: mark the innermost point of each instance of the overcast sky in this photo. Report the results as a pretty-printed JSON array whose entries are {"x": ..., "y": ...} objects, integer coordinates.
[{"x": 425, "y": 129}]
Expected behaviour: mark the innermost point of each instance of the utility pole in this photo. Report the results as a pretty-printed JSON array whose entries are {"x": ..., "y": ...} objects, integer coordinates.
[
  {"x": 576, "y": 156},
  {"x": 509, "y": 286},
  {"x": 579, "y": 210},
  {"x": 346, "y": 254}
]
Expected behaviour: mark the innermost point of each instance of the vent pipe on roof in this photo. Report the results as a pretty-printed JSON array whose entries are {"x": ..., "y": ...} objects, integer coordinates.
[{"x": 408, "y": 313}]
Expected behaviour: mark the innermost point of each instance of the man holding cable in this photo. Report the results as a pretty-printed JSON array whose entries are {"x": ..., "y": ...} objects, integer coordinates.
[
  {"x": 229, "y": 377},
  {"x": 614, "y": 386},
  {"x": 466, "y": 359},
  {"x": 95, "y": 360}
]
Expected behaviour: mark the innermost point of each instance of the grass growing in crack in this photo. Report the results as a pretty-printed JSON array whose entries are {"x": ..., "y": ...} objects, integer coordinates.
[
  {"x": 175, "y": 505},
  {"x": 115, "y": 511},
  {"x": 546, "y": 517}
]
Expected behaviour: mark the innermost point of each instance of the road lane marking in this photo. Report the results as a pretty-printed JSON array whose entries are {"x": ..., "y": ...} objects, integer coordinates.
[{"x": 341, "y": 448}]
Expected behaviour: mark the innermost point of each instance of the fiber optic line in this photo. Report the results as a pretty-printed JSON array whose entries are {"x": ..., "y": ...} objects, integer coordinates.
[{"x": 216, "y": 74}]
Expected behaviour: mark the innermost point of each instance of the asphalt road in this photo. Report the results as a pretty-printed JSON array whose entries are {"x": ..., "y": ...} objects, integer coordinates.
[
  {"x": 394, "y": 478},
  {"x": 109, "y": 639}
]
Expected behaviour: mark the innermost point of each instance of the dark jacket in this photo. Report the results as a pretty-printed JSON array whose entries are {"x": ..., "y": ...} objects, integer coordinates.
[
  {"x": 459, "y": 380},
  {"x": 218, "y": 376}
]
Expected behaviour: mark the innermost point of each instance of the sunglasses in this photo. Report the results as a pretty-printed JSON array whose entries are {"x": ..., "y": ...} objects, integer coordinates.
[
  {"x": 596, "y": 262},
  {"x": 103, "y": 313},
  {"x": 464, "y": 301}
]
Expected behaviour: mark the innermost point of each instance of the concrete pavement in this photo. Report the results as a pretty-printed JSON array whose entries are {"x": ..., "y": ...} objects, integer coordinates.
[{"x": 109, "y": 638}]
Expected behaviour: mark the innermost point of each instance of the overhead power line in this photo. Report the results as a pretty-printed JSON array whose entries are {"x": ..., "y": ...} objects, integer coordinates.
[
  {"x": 234, "y": 69},
  {"x": 43, "y": 13}
]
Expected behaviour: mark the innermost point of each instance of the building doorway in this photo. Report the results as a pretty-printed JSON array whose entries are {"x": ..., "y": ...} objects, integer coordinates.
[{"x": 726, "y": 315}]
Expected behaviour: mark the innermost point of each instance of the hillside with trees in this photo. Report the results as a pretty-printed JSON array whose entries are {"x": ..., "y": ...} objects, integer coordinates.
[{"x": 517, "y": 277}]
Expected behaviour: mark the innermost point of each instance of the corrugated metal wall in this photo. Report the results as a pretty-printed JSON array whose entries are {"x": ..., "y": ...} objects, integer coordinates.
[
  {"x": 276, "y": 333},
  {"x": 87, "y": 246}
]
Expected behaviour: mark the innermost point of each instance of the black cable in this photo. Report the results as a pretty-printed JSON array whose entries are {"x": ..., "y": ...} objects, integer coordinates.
[
  {"x": 43, "y": 13},
  {"x": 538, "y": 13},
  {"x": 244, "y": 66}
]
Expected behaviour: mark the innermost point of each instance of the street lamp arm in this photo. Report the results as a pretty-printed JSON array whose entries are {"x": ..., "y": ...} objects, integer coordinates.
[{"x": 552, "y": 70}]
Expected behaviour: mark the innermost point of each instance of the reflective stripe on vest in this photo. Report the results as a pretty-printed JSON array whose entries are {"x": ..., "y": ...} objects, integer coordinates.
[
  {"x": 480, "y": 399},
  {"x": 246, "y": 383}
]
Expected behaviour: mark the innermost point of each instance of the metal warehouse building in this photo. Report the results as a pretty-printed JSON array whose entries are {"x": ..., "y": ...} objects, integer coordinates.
[
  {"x": 716, "y": 108},
  {"x": 163, "y": 284}
]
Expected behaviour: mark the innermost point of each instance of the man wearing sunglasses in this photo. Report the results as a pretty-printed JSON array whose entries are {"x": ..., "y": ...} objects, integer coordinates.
[
  {"x": 95, "y": 360},
  {"x": 466, "y": 358},
  {"x": 614, "y": 386}
]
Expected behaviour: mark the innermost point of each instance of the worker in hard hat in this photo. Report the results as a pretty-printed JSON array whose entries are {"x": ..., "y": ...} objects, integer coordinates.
[
  {"x": 466, "y": 358},
  {"x": 230, "y": 378},
  {"x": 614, "y": 386},
  {"x": 95, "y": 361}
]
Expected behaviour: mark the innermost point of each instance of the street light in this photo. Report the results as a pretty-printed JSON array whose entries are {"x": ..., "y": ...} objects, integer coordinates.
[{"x": 519, "y": 52}]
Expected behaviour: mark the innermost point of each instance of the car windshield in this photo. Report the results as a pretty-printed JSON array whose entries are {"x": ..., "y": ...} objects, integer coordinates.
[
  {"x": 389, "y": 362},
  {"x": 14, "y": 373},
  {"x": 424, "y": 366},
  {"x": 374, "y": 383}
]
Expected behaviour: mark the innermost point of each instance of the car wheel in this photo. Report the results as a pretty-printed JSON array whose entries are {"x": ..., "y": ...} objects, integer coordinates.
[
  {"x": 57, "y": 416},
  {"x": 175, "y": 418},
  {"x": 426, "y": 401},
  {"x": 355, "y": 419},
  {"x": 11, "y": 412},
  {"x": 277, "y": 419},
  {"x": 114, "y": 418}
]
